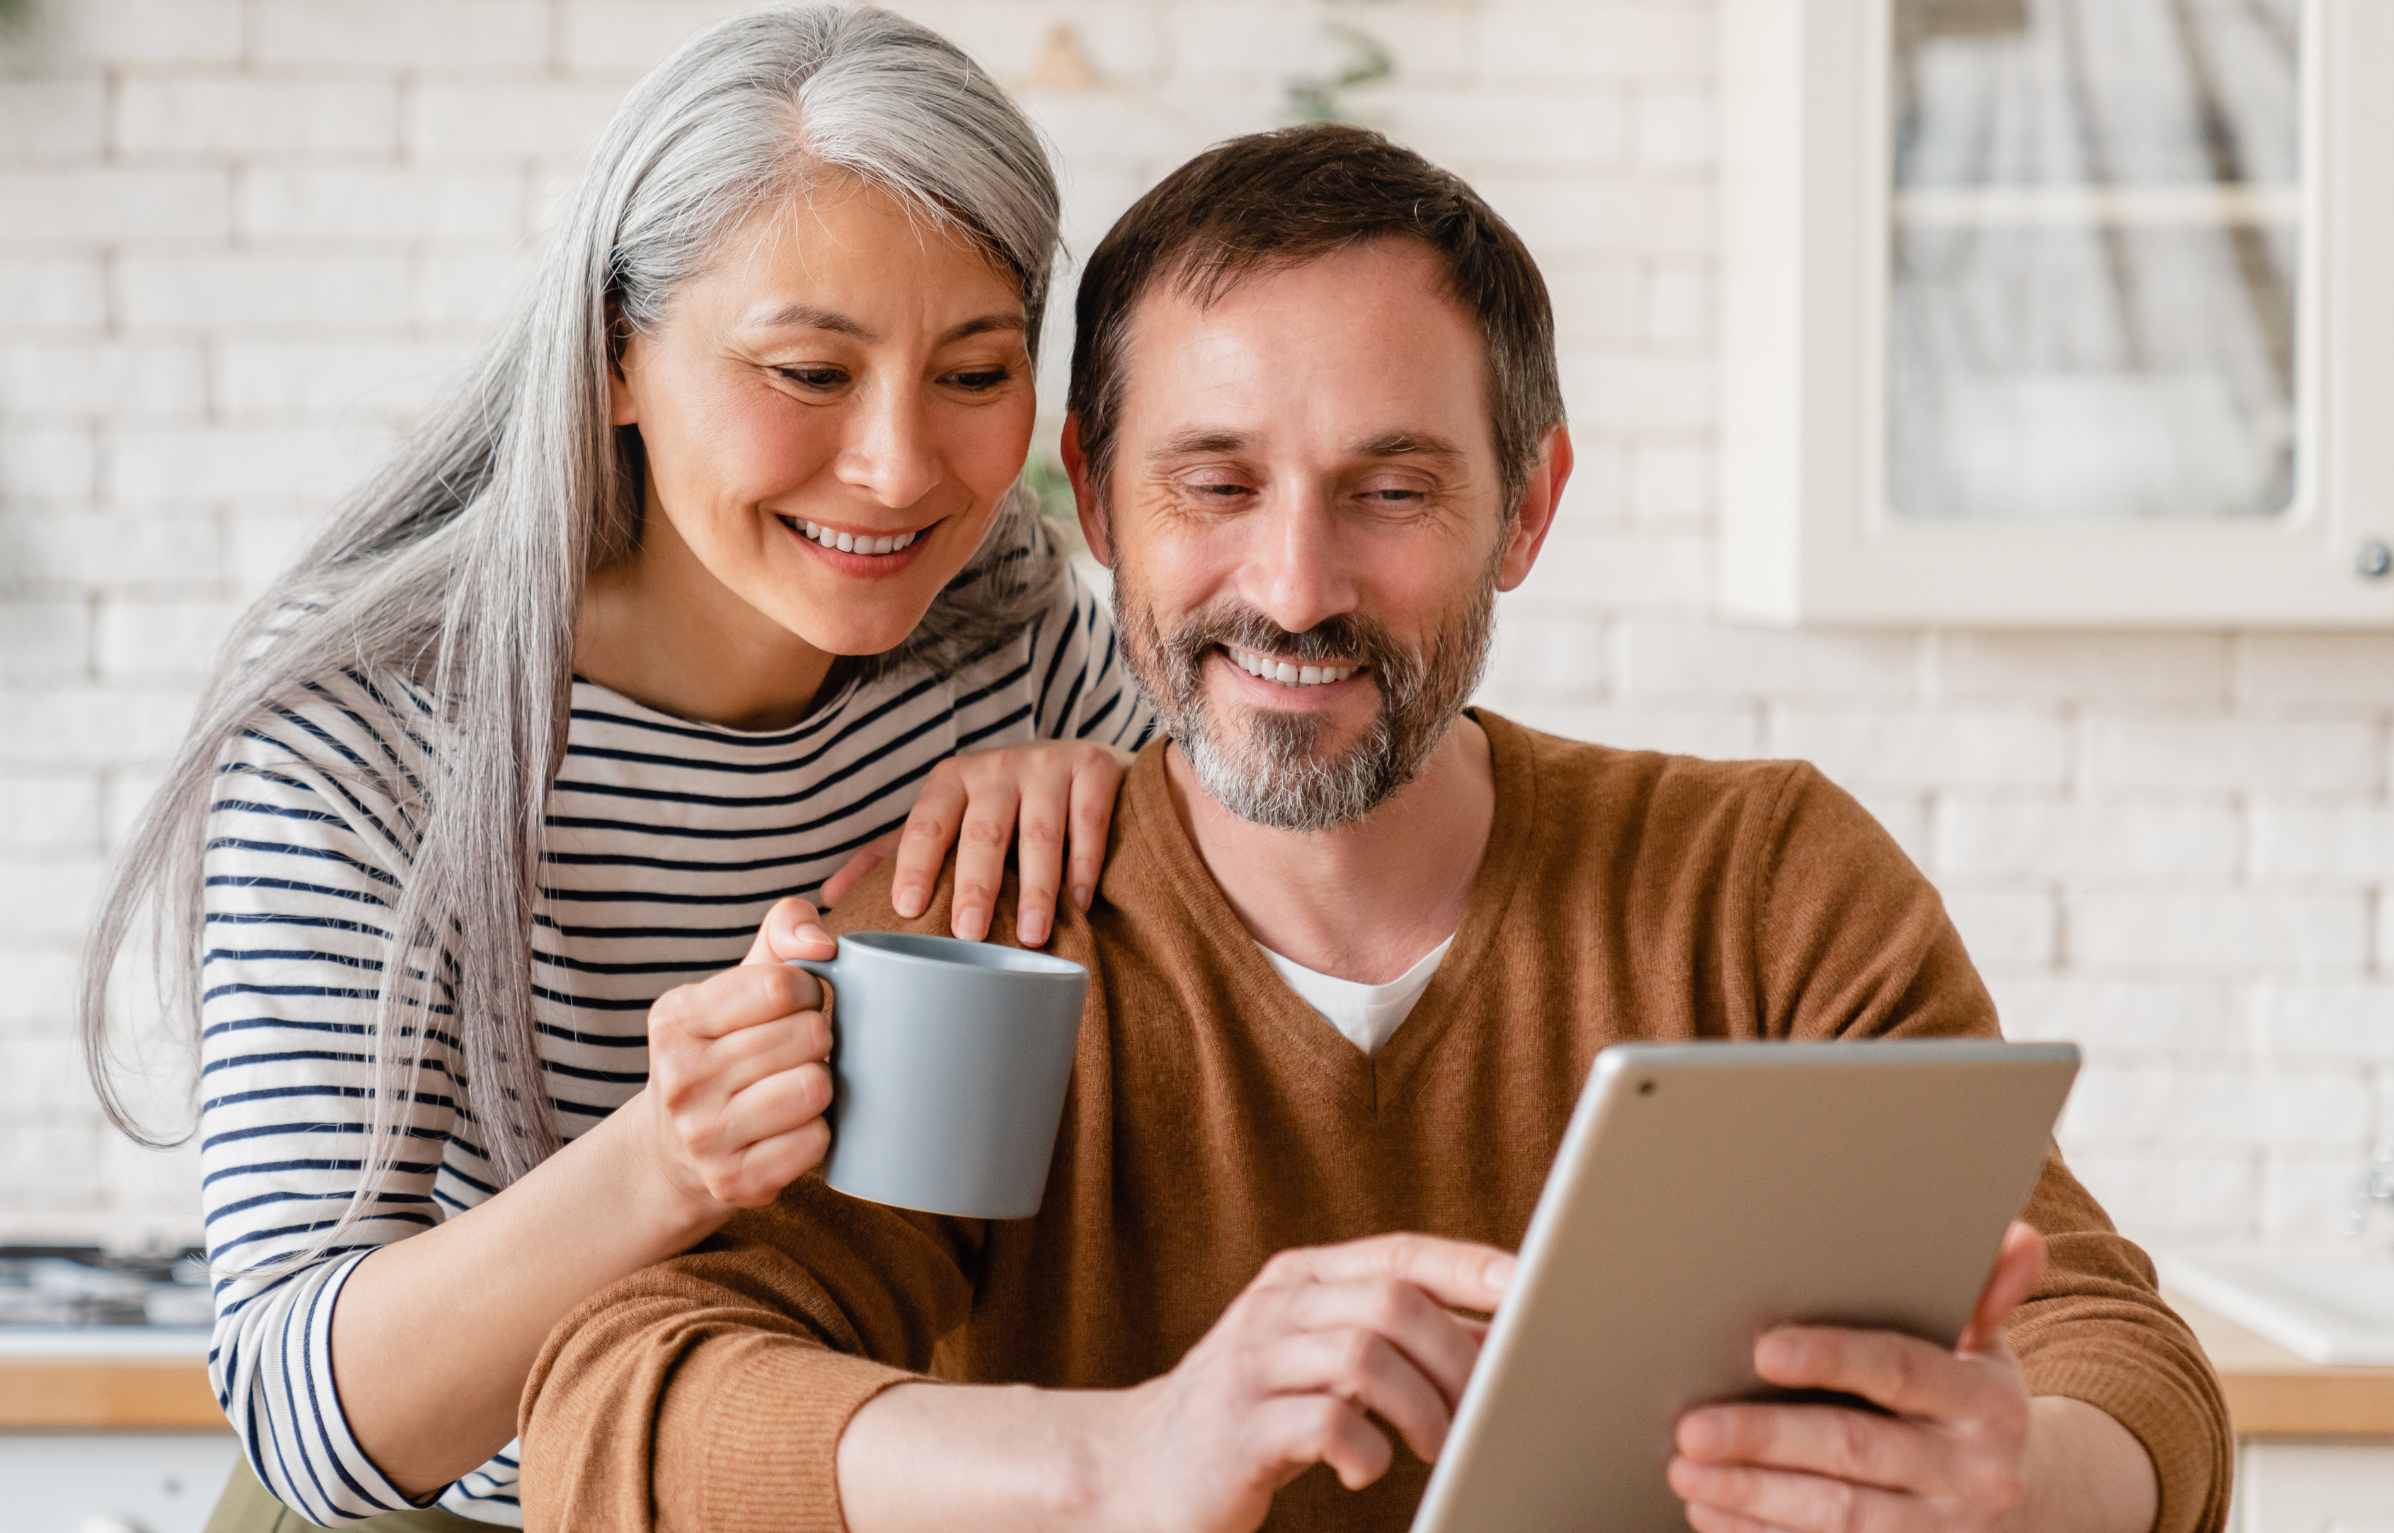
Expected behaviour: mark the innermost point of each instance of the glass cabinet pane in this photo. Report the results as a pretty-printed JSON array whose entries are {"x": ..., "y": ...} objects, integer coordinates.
[{"x": 2093, "y": 262}]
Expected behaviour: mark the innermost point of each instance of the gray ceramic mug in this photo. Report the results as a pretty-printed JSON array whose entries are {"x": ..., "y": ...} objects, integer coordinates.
[{"x": 949, "y": 1061}]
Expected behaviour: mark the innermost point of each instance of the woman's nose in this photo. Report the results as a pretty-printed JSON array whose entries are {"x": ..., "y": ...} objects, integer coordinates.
[{"x": 889, "y": 454}]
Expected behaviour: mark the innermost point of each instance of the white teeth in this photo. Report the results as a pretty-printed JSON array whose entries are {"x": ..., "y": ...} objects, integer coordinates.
[
  {"x": 850, "y": 543},
  {"x": 1286, "y": 674}
]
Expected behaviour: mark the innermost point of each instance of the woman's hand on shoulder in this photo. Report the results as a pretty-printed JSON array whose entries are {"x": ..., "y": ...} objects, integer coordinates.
[
  {"x": 1053, "y": 800},
  {"x": 738, "y": 1073}
]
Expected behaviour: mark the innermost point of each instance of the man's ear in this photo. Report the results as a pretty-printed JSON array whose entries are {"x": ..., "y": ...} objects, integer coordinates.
[
  {"x": 1541, "y": 497},
  {"x": 1085, "y": 498}
]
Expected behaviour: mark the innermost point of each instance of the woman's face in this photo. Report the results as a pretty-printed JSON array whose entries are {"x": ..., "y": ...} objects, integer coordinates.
[{"x": 830, "y": 416}]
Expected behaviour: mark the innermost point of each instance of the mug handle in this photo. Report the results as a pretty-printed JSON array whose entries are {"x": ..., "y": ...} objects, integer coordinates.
[{"x": 820, "y": 968}]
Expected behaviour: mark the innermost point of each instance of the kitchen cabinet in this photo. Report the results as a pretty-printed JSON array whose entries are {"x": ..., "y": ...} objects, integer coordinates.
[
  {"x": 2058, "y": 312},
  {"x": 113, "y": 1482},
  {"x": 2314, "y": 1487}
]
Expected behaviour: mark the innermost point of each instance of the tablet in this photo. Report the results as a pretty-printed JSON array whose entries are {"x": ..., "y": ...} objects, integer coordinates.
[{"x": 1703, "y": 1194}]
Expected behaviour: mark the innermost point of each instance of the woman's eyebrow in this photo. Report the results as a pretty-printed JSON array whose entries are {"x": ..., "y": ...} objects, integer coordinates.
[{"x": 807, "y": 316}]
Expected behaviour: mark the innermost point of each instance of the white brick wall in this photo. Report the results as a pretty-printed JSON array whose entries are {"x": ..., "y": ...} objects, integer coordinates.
[{"x": 244, "y": 242}]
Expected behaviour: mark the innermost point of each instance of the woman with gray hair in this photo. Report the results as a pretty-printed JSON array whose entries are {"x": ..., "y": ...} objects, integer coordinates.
[{"x": 717, "y": 566}]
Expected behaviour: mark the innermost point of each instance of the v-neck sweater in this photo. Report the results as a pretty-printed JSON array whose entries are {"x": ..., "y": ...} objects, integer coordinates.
[{"x": 1213, "y": 1120}]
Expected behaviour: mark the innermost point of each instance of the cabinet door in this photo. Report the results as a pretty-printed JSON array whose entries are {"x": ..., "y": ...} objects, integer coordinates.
[
  {"x": 2059, "y": 311},
  {"x": 2298, "y": 1487},
  {"x": 153, "y": 1482}
]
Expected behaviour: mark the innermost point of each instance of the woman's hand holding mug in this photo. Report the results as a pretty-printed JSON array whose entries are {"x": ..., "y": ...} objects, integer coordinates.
[{"x": 737, "y": 1073}]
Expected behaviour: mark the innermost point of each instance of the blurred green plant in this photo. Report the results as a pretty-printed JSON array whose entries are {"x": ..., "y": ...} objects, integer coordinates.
[
  {"x": 1051, "y": 489},
  {"x": 1314, "y": 98}
]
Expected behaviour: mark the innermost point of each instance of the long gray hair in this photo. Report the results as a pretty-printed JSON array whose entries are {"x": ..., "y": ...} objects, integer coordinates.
[{"x": 458, "y": 570}]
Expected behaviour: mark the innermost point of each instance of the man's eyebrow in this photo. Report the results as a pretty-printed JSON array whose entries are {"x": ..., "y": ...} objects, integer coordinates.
[
  {"x": 807, "y": 316},
  {"x": 1407, "y": 444},
  {"x": 1201, "y": 439}
]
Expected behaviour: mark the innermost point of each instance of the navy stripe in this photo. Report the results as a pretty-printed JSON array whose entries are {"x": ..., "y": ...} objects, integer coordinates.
[
  {"x": 688, "y": 865},
  {"x": 263, "y": 1199},
  {"x": 333, "y": 1163},
  {"x": 216, "y": 1253},
  {"x": 286, "y": 849},
  {"x": 289, "y": 886},
  {"x": 747, "y": 832},
  {"x": 632, "y": 933},
  {"x": 967, "y": 742},
  {"x": 283, "y": 918},
  {"x": 709, "y": 965},
  {"x": 1089, "y": 724},
  {"x": 272, "y": 1130}
]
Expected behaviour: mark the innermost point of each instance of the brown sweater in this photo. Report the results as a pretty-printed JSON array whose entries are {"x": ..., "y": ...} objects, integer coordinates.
[{"x": 1214, "y": 1120}]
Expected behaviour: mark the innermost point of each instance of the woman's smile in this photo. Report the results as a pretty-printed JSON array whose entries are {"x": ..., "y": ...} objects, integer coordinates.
[{"x": 859, "y": 551}]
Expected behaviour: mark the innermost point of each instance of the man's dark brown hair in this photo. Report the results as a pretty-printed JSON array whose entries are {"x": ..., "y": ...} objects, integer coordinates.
[{"x": 1274, "y": 200}]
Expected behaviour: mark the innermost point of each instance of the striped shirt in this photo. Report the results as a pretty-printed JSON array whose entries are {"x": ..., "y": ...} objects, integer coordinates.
[{"x": 668, "y": 840}]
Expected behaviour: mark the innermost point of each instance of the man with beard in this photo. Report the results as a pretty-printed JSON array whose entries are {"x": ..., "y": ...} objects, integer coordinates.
[{"x": 1350, "y": 962}]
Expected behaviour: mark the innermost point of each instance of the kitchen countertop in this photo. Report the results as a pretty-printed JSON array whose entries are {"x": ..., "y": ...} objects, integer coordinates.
[{"x": 62, "y": 1382}]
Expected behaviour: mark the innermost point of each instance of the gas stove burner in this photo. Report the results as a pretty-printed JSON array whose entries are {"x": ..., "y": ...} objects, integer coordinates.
[{"x": 52, "y": 1286}]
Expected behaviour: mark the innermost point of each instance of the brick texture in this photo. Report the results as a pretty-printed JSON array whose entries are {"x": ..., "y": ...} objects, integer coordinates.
[{"x": 245, "y": 243}]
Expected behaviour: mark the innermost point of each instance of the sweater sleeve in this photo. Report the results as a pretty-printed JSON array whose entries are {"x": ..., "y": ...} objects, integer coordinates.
[
  {"x": 1854, "y": 942},
  {"x": 1083, "y": 690},
  {"x": 299, "y": 879},
  {"x": 709, "y": 1392}
]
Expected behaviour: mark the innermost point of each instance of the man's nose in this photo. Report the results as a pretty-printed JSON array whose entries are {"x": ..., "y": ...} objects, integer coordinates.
[
  {"x": 889, "y": 453},
  {"x": 1298, "y": 570}
]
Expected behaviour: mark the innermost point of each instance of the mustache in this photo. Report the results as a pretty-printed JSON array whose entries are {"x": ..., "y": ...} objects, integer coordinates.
[{"x": 1343, "y": 638}]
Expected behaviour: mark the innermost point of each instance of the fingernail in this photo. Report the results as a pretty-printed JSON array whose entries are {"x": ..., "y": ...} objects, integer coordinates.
[
  {"x": 814, "y": 935},
  {"x": 1033, "y": 931},
  {"x": 1082, "y": 894},
  {"x": 970, "y": 922},
  {"x": 907, "y": 901},
  {"x": 1500, "y": 1272}
]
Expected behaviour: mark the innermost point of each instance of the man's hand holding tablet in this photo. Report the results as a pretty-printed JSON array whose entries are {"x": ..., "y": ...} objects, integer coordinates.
[
  {"x": 1948, "y": 1455},
  {"x": 1951, "y": 1454}
]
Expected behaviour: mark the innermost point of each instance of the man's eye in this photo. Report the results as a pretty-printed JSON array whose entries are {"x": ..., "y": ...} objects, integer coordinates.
[
  {"x": 813, "y": 377},
  {"x": 1393, "y": 496},
  {"x": 1218, "y": 491}
]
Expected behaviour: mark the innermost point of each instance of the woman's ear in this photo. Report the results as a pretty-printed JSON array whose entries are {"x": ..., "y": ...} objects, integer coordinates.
[
  {"x": 1085, "y": 498},
  {"x": 623, "y": 405}
]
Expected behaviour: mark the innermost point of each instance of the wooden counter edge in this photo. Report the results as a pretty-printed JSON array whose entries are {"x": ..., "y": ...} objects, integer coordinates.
[
  {"x": 111, "y": 1394},
  {"x": 2271, "y": 1393}
]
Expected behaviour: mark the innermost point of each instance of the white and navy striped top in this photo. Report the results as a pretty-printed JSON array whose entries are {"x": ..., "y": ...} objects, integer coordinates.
[{"x": 669, "y": 840}]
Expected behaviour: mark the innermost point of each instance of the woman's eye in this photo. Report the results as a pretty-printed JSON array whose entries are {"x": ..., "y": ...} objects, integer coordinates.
[
  {"x": 980, "y": 380},
  {"x": 813, "y": 377}
]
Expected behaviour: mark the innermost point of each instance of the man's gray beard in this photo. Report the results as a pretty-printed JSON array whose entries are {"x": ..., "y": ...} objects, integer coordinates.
[{"x": 1273, "y": 777}]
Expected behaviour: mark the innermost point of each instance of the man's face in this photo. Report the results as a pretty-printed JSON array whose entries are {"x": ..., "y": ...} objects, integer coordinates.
[{"x": 1304, "y": 518}]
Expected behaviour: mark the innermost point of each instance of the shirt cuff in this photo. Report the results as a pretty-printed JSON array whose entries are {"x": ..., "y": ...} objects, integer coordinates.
[
  {"x": 333, "y": 1439},
  {"x": 2175, "y": 1422},
  {"x": 771, "y": 1445}
]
